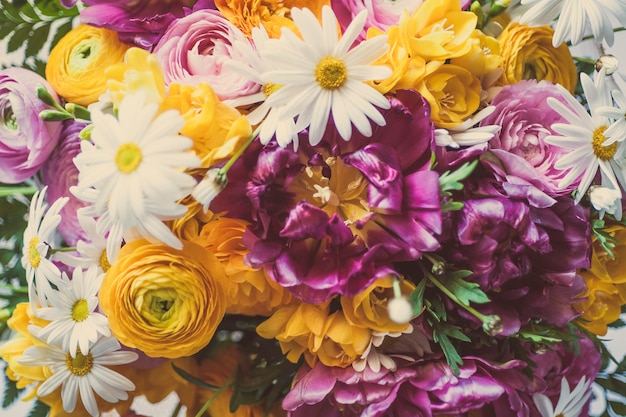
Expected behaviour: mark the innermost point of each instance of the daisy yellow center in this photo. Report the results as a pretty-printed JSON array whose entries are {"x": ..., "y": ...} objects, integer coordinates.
[
  {"x": 270, "y": 88},
  {"x": 602, "y": 152},
  {"x": 80, "y": 365},
  {"x": 128, "y": 157},
  {"x": 104, "y": 261},
  {"x": 34, "y": 257},
  {"x": 331, "y": 73},
  {"x": 80, "y": 310}
]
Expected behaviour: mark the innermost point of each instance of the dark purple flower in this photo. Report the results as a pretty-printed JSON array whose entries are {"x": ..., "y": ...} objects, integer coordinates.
[
  {"x": 59, "y": 173},
  {"x": 329, "y": 219},
  {"x": 138, "y": 22}
]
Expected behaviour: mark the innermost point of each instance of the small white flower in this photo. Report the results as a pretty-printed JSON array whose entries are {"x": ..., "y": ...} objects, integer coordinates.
[
  {"x": 39, "y": 238},
  {"x": 74, "y": 321},
  {"x": 570, "y": 404},
  {"x": 606, "y": 200},
  {"x": 134, "y": 172},
  {"x": 374, "y": 357},
  {"x": 575, "y": 16},
  {"x": 320, "y": 75},
  {"x": 211, "y": 185},
  {"x": 87, "y": 374},
  {"x": 466, "y": 134}
]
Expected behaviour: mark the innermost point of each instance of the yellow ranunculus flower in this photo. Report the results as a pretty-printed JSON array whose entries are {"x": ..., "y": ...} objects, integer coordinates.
[
  {"x": 217, "y": 129},
  {"x": 483, "y": 56},
  {"x": 308, "y": 329},
  {"x": 453, "y": 94},
  {"x": 369, "y": 308},
  {"x": 606, "y": 283},
  {"x": 527, "y": 53},
  {"x": 77, "y": 63},
  {"x": 140, "y": 71},
  {"x": 272, "y": 14},
  {"x": 248, "y": 290},
  {"x": 163, "y": 301}
]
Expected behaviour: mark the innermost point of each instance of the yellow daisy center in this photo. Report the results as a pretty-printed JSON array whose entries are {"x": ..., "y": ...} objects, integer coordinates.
[
  {"x": 270, "y": 88},
  {"x": 80, "y": 310},
  {"x": 80, "y": 365},
  {"x": 602, "y": 152},
  {"x": 34, "y": 258},
  {"x": 331, "y": 73},
  {"x": 128, "y": 157},
  {"x": 104, "y": 261}
]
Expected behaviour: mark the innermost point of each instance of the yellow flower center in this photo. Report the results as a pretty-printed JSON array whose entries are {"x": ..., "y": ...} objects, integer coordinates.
[
  {"x": 104, "y": 261},
  {"x": 271, "y": 88},
  {"x": 8, "y": 118},
  {"x": 128, "y": 157},
  {"x": 80, "y": 310},
  {"x": 602, "y": 152},
  {"x": 331, "y": 73},
  {"x": 33, "y": 254},
  {"x": 159, "y": 305},
  {"x": 80, "y": 365}
]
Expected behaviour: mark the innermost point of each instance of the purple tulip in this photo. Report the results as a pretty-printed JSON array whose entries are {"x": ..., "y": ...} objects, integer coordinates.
[{"x": 26, "y": 141}]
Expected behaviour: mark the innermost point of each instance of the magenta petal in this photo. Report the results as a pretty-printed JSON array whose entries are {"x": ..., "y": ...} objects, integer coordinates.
[{"x": 305, "y": 221}]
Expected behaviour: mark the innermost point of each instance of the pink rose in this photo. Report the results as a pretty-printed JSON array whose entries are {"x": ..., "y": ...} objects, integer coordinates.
[
  {"x": 526, "y": 120},
  {"x": 26, "y": 140},
  {"x": 196, "y": 48}
]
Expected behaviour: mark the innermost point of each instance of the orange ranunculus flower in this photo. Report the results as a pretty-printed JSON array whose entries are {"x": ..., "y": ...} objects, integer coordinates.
[
  {"x": 369, "y": 308},
  {"x": 527, "y": 53},
  {"x": 453, "y": 94},
  {"x": 218, "y": 370},
  {"x": 606, "y": 283},
  {"x": 217, "y": 129},
  {"x": 272, "y": 14},
  {"x": 77, "y": 63},
  {"x": 308, "y": 329},
  {"x": 248, "y": 290},
  {"x": 162, "y": 301}
]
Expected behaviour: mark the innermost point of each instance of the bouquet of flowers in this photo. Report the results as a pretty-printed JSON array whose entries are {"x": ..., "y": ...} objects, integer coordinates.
[{"x": 303, "y": 208}]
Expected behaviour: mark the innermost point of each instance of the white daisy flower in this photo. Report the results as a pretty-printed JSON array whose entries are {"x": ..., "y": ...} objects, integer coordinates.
[
  {"x": 606, "y": 200},
  {"x": 584, "y": 135},
  {"x": 319, "y": 75},
  {"x": 133, "y": 172},
  {"x": 39, "y": 238},
  {"x": 274, "y": 124},
  {"x": 466, "y": 134},
  {"x": 209, "y": 187},
  {"x": 570, "y": 404},
  {"x": 74, "y": 321},
  {"x": 84, "y": 373},
  {"x": 617, "y": 131},
  {"x": 575, "y": 16}
]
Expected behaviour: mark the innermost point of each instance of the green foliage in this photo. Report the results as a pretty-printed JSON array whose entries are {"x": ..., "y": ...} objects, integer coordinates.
[
  {"x": 607, "y": 241},
  {"x": 452, "y": 181},
  {"x": 39, "y": 410},
  {"x": 466, "y": 292},
  {"x": 29, "y": 25},
  {"x": 11, "y": 392}
]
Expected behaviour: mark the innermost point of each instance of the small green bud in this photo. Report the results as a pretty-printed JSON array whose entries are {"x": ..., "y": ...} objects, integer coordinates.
[
  {"x": 492, "y": 325},
  {"x": 44, "y": 95},
  {"x": 85, "y": 134},
  {"x": 54, "y": 115},
  {"x": 78, "y": 111}
]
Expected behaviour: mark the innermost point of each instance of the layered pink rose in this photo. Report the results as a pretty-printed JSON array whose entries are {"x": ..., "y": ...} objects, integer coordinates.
[
  {"x": 196, "y": 49},
  {"x": 26, "y": 140},
  {"x": 526, "y": 120}
]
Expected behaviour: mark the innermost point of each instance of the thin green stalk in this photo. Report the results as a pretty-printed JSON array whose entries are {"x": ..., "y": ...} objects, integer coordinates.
[
  {"x": 213, "y": 398},
  {"x": 480, "y": 316},
  {"x": 241, "y": 150},
  {"x": 9, "y": 191}
]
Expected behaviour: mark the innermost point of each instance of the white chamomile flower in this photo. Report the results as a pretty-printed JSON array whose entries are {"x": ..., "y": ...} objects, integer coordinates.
[
  {"x": 584, "y": 136},
  {"x": 274, "y": 124},
  {"x": 39, "y": 237},
  {"x": 84, "y": 373},
  {"x": 134, "y": 172},
  {"x": 319, "y": 74},
  {"x": 466, "y": 134},
  {"x": 570, "y": 404},
  {"x": 575, "y": 16},
  {"x": 209, "y": 187},
  {"x": 74, "y": 321}
]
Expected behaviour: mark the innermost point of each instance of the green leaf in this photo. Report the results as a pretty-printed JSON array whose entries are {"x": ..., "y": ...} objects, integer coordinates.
[
  {"x": 452, "y": 180},
  {"x": 20, "y": 35},
  {"x": 60, "y": 32},
  {"x": 452, "y": 356},
  {"x": 465, "y": 291},
  {"x": 11, "y": 392},
  {"x": 37, "y": 40},
  {"x": 196, "y": 381},
  {"x": 618, "y": 407},
  {"x": 416, "y": 298},
  {"x": 39, "y": 410}
]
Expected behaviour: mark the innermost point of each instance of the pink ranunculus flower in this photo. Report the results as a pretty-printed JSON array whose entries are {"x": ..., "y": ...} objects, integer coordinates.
[
  {"x": 526, "y": 120},
  {"x": 26, "y": 140},
  {"x": 59, "y": 173},
  {"x": 196, "y": 49}
]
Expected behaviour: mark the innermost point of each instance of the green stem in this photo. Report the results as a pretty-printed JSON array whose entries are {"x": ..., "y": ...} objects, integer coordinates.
[
  {"x": 206, "y": 405},
  {"x": 8, "y": 191},
  {"x": 480, "y": 316},
  {"x": 620, "y": 29},
  {"x": 68, "y": 249},
  {"x": 241, "y": 150}
]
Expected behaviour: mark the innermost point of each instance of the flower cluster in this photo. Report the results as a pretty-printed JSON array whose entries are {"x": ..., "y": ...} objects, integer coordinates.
[{"x": 350, "y": 207}]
